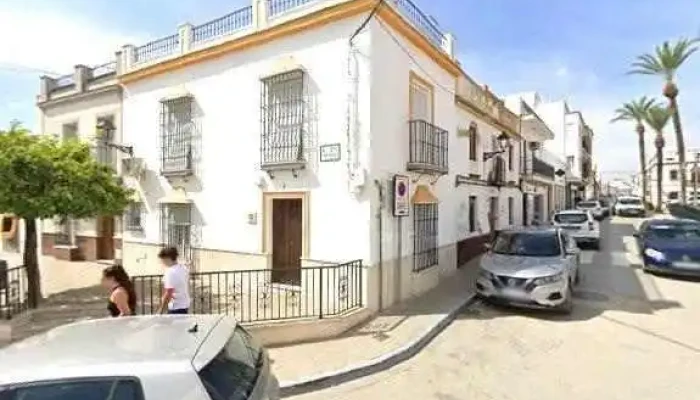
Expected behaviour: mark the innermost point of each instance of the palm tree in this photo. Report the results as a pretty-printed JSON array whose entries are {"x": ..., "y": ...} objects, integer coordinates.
[
  {"x": 636, "y": 111},
  {"x": 657, "y": 117},
  {"x": 665, "y": 61}
]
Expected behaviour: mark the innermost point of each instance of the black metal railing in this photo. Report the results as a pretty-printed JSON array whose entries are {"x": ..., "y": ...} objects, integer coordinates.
[
  {"x": 262, "y": 295},
  {"x": 541, "y": 168},
  {"x": 177, "y": 129},
  {"x": 13, "y": 291},
  {"x": 427, "y": 147}
]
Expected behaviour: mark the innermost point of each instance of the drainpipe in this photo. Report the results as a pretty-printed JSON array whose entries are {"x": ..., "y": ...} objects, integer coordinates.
[{"x": 380, "y": 265}]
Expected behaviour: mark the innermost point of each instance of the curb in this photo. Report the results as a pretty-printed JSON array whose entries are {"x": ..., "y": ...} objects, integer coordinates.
[{"x": 375, "y": 365}]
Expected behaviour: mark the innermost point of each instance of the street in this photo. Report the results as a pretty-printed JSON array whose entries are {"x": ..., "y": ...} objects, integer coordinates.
[{"x": 631, "y": 336}]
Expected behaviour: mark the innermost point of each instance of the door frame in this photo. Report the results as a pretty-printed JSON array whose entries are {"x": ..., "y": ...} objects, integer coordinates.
[
  {"x": 267, "y": 198},
  {"x": 103, "y": 240}
]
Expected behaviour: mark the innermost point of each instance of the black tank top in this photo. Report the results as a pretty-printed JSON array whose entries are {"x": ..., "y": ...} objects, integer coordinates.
[{"x": 114, "y": 310}]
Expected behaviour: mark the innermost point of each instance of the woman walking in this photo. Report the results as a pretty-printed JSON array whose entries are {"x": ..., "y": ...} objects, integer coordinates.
[{"x": 122, "y": 297}]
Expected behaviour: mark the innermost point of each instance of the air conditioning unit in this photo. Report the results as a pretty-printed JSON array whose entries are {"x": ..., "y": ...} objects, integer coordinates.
[{"x": 134, "y": 167}]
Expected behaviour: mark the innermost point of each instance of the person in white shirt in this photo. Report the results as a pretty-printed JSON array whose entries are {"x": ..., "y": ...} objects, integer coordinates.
[{"x": 176, "y": 284}]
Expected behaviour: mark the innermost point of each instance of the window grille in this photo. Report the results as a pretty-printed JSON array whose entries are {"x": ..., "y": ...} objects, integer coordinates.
[
  {"x": 283, "y": 117},
  {"x": 511, "y": 210},
  {"x": 472, "y": 213},
  {"x": 103, "y": 151},
  {"x": 425, "y": 235},
  {"x": 473, "y": 141},
  {"x": 177, "y": 133},
  {"x": 69, "y": 131},
  {"x": 176, "y": 228},
  {"x": 133, "y": 218},
  {"x": 673, "y": 175}
]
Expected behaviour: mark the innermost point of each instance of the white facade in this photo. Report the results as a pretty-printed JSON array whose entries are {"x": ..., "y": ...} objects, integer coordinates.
[
  {"x": 671, "y": 177},
  {"x": 368, "y": 99}
]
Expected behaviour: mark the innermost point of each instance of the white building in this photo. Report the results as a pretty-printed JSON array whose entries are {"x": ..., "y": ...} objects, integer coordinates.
[
  {"x": 671, "y": 177},
  {"x": 272, "y": 138},
  {"x": 573, "y": 142}
]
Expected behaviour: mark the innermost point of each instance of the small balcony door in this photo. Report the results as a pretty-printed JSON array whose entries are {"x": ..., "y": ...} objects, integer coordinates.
[{"x": 421, "y": 100}]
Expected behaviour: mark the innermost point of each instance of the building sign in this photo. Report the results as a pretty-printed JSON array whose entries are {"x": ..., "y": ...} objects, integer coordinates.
[
  {"x": 330, "y": 152},
  {"x": 401, "y": 200}
]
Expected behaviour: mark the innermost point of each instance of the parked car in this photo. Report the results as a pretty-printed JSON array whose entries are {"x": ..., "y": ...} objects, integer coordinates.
[
  {"x": 607, "y": 205},
  {"x": 670, "y": 246},
  {"x": 594, "y": 207},
  {"x": 580, "y": 225},
  {"x": 198, "y": 357},
  {"x": 531, "y": 267},
  {"x": 629, "y": 206}
]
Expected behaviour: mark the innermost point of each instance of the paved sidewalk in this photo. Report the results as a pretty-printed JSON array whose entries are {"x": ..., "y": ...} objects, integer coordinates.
[{"x": 384, "y": 339}]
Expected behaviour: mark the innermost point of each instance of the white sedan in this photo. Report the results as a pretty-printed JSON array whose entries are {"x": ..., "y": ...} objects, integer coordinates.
[
  {"x": 580, "y": 225},
  {"x": 188, "y": 357}
]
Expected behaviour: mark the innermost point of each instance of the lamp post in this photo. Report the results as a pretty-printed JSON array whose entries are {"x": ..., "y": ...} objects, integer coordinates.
[
  {"x": 105, "y": 127},
  {"x": 659, "y": 144}
]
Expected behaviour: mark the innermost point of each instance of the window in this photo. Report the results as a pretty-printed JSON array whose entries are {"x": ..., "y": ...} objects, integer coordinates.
[
  {"x": 65, "y": 233},
  {"x": 673, "y": 195},
  {"x": 473, "y": 141},
  {"x": 511, "y": 210},
  {"x": 472, "y": 213},
  {"x": 69, "y": 131},
  {"x": 283, "y": 117},
  {"x": 93, "y": 389},
  {"x": 571, "y": 218},
  {"x": 232, "y": 374},
  {"x": 673, "y": 174},
  {"x": 493, "y": 213},
  {"x": 176, "y": 131},
  {"x": 133, "y": 218},
  {"x": 176, "y": 228},
  {"x": 103, "y": 151},
  {"x": 421, "y": 99},
  {"x": 425, "y": 232},
  {"x": 510, "y": 158}
]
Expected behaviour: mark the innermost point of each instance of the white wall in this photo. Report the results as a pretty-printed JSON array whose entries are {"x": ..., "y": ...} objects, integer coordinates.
[{"x": 227, "y": 93}]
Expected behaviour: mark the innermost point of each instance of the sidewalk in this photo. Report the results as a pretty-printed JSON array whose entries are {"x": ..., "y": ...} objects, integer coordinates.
[{"x": 388, "y": 338}]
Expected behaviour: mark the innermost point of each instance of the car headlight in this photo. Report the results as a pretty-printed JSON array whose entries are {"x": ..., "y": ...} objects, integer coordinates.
[
  {"x": 654, "y": 254},
  {"x": 549, "y": 279}
]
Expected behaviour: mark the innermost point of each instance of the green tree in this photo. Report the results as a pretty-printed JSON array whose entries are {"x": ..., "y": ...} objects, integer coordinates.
[
  {"x": 44, "y": 178},
  {"x": 657, "y": 118},
  {"x": 665, "y": 62},
  {"x": 636, "y": 111}
]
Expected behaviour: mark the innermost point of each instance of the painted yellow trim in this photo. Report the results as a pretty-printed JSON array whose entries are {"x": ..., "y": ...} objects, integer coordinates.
[
  {"x": 415, "y": 78},
  {"x": 267, "y": 198},
  {"x": 470, "y": 108},
  {"x": 314, "y": 20}
]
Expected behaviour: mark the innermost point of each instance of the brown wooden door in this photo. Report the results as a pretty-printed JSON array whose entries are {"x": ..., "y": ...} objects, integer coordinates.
[
  {"x": 105, "y": 238},
  {"x": 286, "y": 241}
]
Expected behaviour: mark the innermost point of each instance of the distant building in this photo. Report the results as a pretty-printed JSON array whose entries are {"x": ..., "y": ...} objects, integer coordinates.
[{"x": 671, "y": 178}]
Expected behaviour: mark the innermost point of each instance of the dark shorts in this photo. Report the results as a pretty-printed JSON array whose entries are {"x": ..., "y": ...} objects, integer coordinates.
[{"x": 179, "y": 311}]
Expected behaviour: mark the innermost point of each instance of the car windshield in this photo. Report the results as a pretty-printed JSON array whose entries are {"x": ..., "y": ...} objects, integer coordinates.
[
  {"x": 630, "y": 202},
  {"x": 688, "y": 230},
  {"x": 604, "y": 203},
  {"x": 577, "y": 218},
  {"x": 588, "y": 204},
  {"x": 232, "y": 374},
  {"x": 527, "y": 244}
]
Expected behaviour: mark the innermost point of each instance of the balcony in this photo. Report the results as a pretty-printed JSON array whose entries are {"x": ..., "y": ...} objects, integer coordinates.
[
  {"x": 83, "y": 79},
  {"x": 427, "y": 148},
  {"x": 541, "y": 168}
]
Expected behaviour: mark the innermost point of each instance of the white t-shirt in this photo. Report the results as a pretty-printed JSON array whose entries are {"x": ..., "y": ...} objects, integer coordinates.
[{"x": 177, "y": 277}]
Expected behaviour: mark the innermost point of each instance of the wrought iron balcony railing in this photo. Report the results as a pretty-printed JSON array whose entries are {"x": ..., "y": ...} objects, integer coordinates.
[{"x": 427, "y": 148}]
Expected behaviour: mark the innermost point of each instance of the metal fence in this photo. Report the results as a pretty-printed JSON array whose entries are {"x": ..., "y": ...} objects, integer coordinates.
[
  {"x": 157, "y": 49},
  {"x": 277, "y": 7},
  {"x": 427, "y": 145},
  {"x": 257, "y": 295},
  {"x": 223, "y": 26},
  {"x": 13, "y": 291}
]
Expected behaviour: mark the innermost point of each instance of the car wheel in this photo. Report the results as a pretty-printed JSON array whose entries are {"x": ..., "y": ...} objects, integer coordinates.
[
  {"x": 568, "y": 304},
  {"x": 596, "y": 245}
]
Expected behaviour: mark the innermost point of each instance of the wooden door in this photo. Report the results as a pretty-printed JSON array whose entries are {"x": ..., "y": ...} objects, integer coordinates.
[
  {"x": 286, "y": 241},
  {"x": 105, "y": 238}
]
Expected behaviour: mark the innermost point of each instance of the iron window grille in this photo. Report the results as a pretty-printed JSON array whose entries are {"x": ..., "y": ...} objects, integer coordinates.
[
  {"x": 69, "y": 131},
  {"x": 283, "y": 117},
  {"x": 425, "y": 235},
  {"x": 176, "y": 228},
  {"x": 473, "y": 141},
  {"x": 428, "y": 148},
  {"x": 133, "y": 218},
  {"x": 510, "y": 158},
  {"x": 472, "y": 214},
  {"x": 104, "y": 153},
  {"x": 673, "y": 175},
  {"x": 177, "y": 135},
  {"x": 511, "y": 210}
]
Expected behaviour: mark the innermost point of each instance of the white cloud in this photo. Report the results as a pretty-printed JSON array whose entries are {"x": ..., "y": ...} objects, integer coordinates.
[{"x": 53, "y": 40}]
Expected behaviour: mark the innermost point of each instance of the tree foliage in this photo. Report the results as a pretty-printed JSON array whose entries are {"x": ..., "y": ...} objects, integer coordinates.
[
  {"x": 666, "y": 59},
  {"x": 635, "y": 110},
  {"x": 657, "y": 118},
  {"x": 41, "y": 177}
]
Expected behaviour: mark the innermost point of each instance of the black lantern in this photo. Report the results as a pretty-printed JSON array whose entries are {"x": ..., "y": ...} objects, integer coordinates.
[
  {"x": 503, "y": 144},
  {"x": 105, "y": 126}
]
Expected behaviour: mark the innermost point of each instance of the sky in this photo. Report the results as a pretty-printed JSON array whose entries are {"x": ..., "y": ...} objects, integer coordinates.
[{"x": 563, "y": 49}]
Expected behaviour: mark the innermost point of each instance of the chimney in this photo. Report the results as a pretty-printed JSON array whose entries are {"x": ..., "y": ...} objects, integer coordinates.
[{"x": 81, "y": 76}]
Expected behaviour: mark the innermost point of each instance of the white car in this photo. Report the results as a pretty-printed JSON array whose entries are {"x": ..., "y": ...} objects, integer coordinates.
[
  {"x": 594, "y": 206},
  {"x": 580, "y": 225},
  {"x": 628, "y": 206},
  {"x": 188, "y": 357}
]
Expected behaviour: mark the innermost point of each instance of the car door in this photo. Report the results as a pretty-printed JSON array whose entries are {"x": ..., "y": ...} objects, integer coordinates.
[{"x": 639, "y": 236}]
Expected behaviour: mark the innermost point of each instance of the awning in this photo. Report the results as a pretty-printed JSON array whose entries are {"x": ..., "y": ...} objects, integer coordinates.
[
  {"x": 423, "y": 195},
  {"x": 178, "y": 92},
  {"x": 176, "y": 195}
]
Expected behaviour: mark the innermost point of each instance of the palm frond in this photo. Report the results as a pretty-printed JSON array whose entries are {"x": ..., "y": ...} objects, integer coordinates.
[
  {"x": 657, "y": 117},
  {"x": 666, "y": 59},
  {"x": 635, "y": 110}
]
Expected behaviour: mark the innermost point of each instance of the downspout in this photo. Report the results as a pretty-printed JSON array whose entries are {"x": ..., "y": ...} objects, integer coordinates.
[{"x": 380, "y": 255}]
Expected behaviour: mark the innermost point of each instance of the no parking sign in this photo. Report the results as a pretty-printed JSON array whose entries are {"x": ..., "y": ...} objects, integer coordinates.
[{"x": 401, "y": 201}]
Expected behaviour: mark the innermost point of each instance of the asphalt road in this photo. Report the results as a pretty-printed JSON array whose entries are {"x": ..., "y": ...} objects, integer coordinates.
[{"x": 632, "y": 336}]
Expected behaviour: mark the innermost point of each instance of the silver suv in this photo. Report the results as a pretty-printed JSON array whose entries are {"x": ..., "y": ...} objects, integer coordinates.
[{"x": 197, "y": 357}]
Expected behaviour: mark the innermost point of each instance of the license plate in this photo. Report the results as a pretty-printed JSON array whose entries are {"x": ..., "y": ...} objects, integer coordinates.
[
  {"x": 514, "y": 293},
  {"x": 687, "y": 265},
  {"x": 571, "y": 228}
]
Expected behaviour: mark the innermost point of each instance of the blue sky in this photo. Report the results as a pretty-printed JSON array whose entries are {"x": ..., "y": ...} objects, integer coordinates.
[{"x": 563, "y": 49}]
